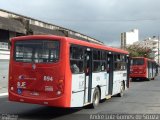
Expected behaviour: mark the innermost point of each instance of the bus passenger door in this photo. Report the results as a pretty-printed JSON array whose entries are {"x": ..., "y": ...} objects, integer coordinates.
[
  {"x": 110, "y": 72},
  {"x": 149, "y": 70},
  {"x": 88, "y": 76},
  {"x": 128, "y": 70}
]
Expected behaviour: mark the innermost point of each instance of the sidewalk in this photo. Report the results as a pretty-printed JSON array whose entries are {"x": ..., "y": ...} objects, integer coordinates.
[
  {"x": 3, "y": 85},
  {"x": 3, "y": 90},
  {"x": 4, "y": 64}
]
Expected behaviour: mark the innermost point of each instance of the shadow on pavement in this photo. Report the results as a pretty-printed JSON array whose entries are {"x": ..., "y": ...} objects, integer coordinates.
[{"x": 45, "y": 113}]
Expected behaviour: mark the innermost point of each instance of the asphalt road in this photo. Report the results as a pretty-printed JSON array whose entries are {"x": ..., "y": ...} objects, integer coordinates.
[{"x": 141, "y": 98}]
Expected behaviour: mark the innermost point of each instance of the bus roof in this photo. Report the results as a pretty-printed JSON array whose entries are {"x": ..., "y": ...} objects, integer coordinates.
[
  {"x": 72, "y": 41},
  {"x": 98, "y": 46}
]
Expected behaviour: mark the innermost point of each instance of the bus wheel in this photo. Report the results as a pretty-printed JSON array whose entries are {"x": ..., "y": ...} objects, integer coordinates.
[
  {"x": 148, "y": 79},
  {"x": 121, "y": 90},
  {"x": 96, "y": 98}
]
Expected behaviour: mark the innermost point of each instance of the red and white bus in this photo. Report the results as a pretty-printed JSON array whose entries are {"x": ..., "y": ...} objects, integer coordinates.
[
  {"x": 65, "y": 72},
  {"x": 142, "y": 68}
]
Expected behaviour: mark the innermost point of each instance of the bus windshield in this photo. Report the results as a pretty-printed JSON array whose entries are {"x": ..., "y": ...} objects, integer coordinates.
[
  {"x": 137, "y": 61},
  {"x": 36, "y": 51}
]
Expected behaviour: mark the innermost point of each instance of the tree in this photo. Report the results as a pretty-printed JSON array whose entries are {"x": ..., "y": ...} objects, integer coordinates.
[{"x": 139, "y": 51}]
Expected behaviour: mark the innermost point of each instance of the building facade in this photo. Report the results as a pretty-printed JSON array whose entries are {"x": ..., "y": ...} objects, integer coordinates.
[
  {"x": 128, "y": 38},
  {"x": 12, "y": 25}
]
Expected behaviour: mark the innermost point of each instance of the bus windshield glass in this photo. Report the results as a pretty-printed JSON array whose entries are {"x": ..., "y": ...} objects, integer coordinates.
[
  {"x": 137, "y": 61},
  {"x": 36, "y": 51}
]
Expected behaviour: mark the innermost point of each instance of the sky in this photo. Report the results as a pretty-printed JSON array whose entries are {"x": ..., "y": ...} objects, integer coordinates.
[{"x": 104, "y": 20}]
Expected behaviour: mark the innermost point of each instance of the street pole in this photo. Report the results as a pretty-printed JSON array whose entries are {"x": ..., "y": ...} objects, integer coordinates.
[{"x": 158, "y": 49}]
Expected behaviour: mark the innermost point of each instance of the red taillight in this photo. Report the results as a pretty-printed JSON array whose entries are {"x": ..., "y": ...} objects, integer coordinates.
[
  {"x": 11, "y": 86},
  {"x": 144, "y": 71},
  {"x": 10, "y": 78},
  {"x": 60, "y": 86}
]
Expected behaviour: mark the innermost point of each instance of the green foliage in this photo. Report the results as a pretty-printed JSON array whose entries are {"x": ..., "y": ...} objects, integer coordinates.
[{"x": 139, "y": 51}]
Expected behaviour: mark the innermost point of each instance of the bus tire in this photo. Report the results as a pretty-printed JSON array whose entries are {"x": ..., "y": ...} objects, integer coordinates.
[
  {"x": 96, "y": 98},
  {"x": 121, "y": 90},
  {"x": 148, "y": 79}
]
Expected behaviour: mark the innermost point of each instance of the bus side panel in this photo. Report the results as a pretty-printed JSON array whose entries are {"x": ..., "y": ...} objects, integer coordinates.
[
  {"x": 100, "y": 79},
  {"x": 124, "y": 76},
  {"x": 68, "y": 75},
  {"x": 116, "y": 82},
  {"x": 154, "y": 70},
  {"x": 77, "y": 90},
  {"x": 119, "y": 76},
  {"x": 149, "y": 76}
]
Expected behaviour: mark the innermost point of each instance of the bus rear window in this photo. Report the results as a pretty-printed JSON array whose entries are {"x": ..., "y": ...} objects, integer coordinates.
[
  {"x": 36, "y": 51},
  {"x": 137, "y": 61}
]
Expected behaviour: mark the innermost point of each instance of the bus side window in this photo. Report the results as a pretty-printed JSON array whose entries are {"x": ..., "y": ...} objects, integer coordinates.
[
  {"x": 103, "y": 61},
  {"x": 117, "y": 63},
  {"x": 76, "y": 59},
  {"x": 96, "y": 60},
  {"x": 96, "y": 66},
  {"x": 120, "y": 62},
  {"x": 74, "y": 68}
]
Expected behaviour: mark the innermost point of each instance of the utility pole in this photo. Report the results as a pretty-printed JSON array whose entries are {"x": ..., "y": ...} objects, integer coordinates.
[{"x": 158, "y": 49}]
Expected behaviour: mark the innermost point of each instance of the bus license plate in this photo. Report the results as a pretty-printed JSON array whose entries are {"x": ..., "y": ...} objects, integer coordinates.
[{"x": 35, "y": 93}]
